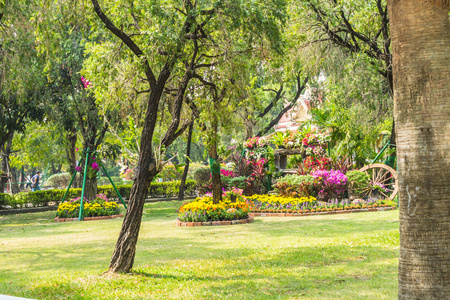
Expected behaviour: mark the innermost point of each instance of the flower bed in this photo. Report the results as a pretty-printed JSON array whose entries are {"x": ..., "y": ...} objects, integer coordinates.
[
  {"x": 279, "y": 203},
  {"x": 203, "y": 210},
  {"x": 306, "y": 205},
  {"x": 97, "y": 207},
  {"x": 58, "y": 219}
]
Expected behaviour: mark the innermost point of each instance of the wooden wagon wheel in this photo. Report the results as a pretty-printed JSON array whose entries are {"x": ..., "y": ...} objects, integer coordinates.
[{"x": 383, "y": 175}]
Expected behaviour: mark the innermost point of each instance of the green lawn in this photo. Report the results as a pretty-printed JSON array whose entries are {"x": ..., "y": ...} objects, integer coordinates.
[{"x": 349, "y": 256}]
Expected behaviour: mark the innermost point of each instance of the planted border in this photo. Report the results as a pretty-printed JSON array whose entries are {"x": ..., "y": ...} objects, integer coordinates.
[
  {"x": 312, "y": 213},
  {"x": 58, "y": 219},
  {"x": 46, "y": 197},
  {"x": 250, "y": 219}
]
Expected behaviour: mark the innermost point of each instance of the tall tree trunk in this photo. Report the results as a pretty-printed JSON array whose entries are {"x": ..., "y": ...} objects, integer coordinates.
[
  {"x": 90, "y": 185},
  {"x": 22, "y": 178},
  {"x": 421, "y": 48},
  {"x": 6, "y": 151},
  {"x": 90, "y": 190},
  {"x": 14, "y": 183},
  {"x": 214, "y": 163},
  {"x": 186, "y": 167},
  {"x": 71, "y": 154},
  {"x": 123, "y": 257}
]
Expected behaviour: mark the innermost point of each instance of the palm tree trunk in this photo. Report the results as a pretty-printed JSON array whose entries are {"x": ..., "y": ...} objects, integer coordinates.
[{"x": 421, "y": 48}]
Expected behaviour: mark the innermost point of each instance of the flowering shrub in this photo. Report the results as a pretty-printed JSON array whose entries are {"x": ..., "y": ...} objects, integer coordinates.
[
  {"x": 233, "y": 192},
  {"x": 203, "y": 210},
  {"x": 226, "y": 173},
  {"x": 99, "y": 206},
  {"x": 295, "y": 186},
  {"x": 378, "y": 186},
  {"x": 312, "y": 140},
  {"x": 255, "y": 142},
  {"x": 92, "y": 171},
  {"x": 256, "y": 148},
  {"x": 329, "y": 184},
  {"x": 255, "y": 183},
  {"x": 312, "y": 163},
  {"x": 128, "y": 174}
]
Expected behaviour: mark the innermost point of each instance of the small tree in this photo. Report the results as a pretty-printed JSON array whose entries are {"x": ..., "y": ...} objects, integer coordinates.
[{"x": 190, "y": 22}]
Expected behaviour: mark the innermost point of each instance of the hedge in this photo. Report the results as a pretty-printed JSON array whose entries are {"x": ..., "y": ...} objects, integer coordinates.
[{"x": 42, "y": 198}]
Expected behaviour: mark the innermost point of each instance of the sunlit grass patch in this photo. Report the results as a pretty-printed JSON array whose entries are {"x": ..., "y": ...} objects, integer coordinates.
[{"x": 350, "y": 256}]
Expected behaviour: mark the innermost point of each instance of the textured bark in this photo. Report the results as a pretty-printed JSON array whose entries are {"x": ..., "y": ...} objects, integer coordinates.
[
  {"x": 90, "y": 190},
  {"x": 215, "y": 179},
  {"x": 71, "y": 154},
  {"x": 186, "y": 167},
  {"x": 6, "y": 167},
  {"x": 15, "y": 183},
  {"x": 421, "y": 64},
  {"x": 124, "y": 252}
]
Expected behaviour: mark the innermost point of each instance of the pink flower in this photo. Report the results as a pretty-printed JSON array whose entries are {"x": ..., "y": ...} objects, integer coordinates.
[
  {"x": 78, "y": 168},
  {"x": 86, "y": 83},
  {"x": 95, "y": 166},
  {"x": 76, "y": 150}
]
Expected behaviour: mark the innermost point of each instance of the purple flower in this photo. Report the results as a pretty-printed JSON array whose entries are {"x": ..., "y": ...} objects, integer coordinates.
[
  {"x": 93, "y": 158},
  {"x": 78, "y": 168},
  {"x": 95, "y": 166}
]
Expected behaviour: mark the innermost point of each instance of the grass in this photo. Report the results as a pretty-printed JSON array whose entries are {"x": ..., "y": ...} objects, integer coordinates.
[{"x": 349, "y": 256}]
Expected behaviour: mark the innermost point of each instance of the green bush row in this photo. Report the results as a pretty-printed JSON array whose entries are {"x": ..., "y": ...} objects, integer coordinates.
[{"x": 42, "y": 198}]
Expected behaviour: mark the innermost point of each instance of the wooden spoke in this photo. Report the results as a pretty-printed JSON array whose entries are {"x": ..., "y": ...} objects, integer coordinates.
[{"x": 384, "y": 175}]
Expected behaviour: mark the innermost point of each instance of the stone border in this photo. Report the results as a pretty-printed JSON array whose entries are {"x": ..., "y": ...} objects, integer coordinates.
[
  {"x": 58, "y": 219},
  {"x": 332, "y": 212},
  {"x": 250, "y": 219}
]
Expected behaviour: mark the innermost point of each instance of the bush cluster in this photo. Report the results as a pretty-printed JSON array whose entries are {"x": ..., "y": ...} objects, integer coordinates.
[{"x": 44, "y": 197}]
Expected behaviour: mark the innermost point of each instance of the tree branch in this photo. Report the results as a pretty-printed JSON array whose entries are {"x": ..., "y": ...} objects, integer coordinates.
[
  {"x": 279, "y": 94},
  {"x": 300, "y": 88},
  {"x": 127, "y": 41}
]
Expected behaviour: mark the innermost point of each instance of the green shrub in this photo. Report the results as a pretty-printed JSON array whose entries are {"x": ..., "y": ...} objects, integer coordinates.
[
  {"x": 170, "y": 173},
  {"x": 358, "y": 182},
  {"x": 194, "y": 166},
  {"x": 5, "y": 199},
  {"x": 238, "y": 182},
  {"x": 295, "y": 180},
  {"x": 202, "y": 175},
  {"x": 105, "y": 180},
  {"x": 60, "y": 180}
]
